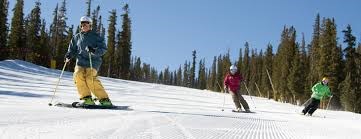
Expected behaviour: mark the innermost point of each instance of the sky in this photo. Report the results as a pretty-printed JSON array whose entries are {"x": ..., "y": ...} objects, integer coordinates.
[{"x": 165, "y": 32}]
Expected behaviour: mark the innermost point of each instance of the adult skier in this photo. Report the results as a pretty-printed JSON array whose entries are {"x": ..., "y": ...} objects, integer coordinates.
[
  {"x": 319, "y": 90},
  {"x": 232, "y": 83},
  {"x": 88, "y": 48}
]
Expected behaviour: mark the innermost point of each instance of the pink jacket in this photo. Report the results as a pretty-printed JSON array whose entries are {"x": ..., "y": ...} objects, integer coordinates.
[{"x": 233, "y": 82}]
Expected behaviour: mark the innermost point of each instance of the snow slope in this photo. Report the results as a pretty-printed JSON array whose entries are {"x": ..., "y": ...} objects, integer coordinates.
[{"x": 157, "y": 111}]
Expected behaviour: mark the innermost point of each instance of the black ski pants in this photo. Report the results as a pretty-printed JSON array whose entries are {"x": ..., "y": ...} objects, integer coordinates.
[{"x": 311, "y": 107}]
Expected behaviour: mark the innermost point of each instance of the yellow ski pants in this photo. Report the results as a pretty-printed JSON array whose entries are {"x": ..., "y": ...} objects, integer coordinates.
[{"x": 87, "y": 82}]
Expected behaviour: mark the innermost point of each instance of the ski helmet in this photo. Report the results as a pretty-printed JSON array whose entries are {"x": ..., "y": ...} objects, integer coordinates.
[
  {"x": 86, "y": 19},
  {"x": 324, "y": 80},
  {"x": 233, "y": 69}
]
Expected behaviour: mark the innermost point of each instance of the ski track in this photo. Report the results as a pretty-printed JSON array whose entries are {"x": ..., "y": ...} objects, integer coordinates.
[{"x": 157, "y": 112}]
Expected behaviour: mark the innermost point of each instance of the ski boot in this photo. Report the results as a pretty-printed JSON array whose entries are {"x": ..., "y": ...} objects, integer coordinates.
[
  {"x": 247, "y": 111},
  {"x": 87, "y": 101},
  {"x": 105, "y": 102},
  {"x": 237, "y": 110},
  {"x": 304, "y": 112}
]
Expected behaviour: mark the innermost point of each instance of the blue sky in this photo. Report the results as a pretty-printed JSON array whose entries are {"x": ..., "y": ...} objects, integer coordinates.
[{"x": 165, "y": 32}]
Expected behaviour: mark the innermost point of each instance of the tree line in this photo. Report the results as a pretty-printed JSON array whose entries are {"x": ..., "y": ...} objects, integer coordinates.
[
  {"x": 288, "y": 74},
  {"x": 30, "y": 39},
  {"x": 285, "y": 75}
]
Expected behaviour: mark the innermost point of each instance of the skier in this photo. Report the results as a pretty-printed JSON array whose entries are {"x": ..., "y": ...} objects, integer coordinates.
[
  {"x": 232, "y": 83},
  {"x": 319, "y": 90},
  {"x": 83, "y": 46}
]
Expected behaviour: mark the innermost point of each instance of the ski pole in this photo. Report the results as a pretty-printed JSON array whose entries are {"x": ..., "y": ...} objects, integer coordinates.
[
  {"x": 324, "y": 116},
  {"x": 249, "y": 95},
  {"x": 57, "y": 84},
  {"x": 306, "y": 101},
  {"x": 296, "y": 109},
  {"x": 91, "y": 71},
  {"x": 329, "y": 102},
  {"x": 224, "y": 95}
]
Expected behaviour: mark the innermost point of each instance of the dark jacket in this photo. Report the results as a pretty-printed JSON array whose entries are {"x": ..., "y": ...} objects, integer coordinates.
[{"x": 77, "y": 49}]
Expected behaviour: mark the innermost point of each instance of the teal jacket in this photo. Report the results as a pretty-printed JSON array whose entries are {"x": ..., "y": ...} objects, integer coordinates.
[
  {"x": 77, "y": 49},
  {"x": 319, "y": 91}
]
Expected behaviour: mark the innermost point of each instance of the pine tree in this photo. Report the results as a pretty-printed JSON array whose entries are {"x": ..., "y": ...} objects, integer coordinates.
[
  {"x": 172, "y": 78},
  {"x": 267, "y": 65},
  {"x": 186, "y": 75},
  {"x": 44, "y": 51},
  {"x": 330, "y": 58},
  {"x": 209, "y": 77},
  {"x": 131, "y": 68},
  {"x": 88, "y": 2},
  {"x": 350, "y": 54},
  {"x": 240, "y": 61},
  {"x": 118, "y": 55},
  {"x": 63, "y": 35},
  {"x": 192, "y": 75},
  {"x": 349, "y": 97},
  {"x": 283, "y": 62},
  {"x": 260, "y": 74},
  {"x": 16, "y": 40},
  {"x": 137, "y": 70},
  {"x": 33, "y": 34},
  {"x": 100, "y": 28},
  {"x": 153, "y": 75},
  {"x": 65, "y": 44},
  {"x": 350, "y": 89},
  {"x": 226, "y": 63},
  {"x": 213, "y": 75},
  {"x": 102, "y": 33},
  {"x": 160, "y": 78},
  {"x": 125, "y": 44},
  {"x": 166, "y": 76},
  {"x": 314, "y": 53},
  {"x": 95, "y": 16},
  {"x": 304, "y": 65},
  {"x": 109, "y": 57},
  {"x": 26, "y": 56},
  {"x": 179, "y": 76},
  {"x": 59, "y": 35},
  {"x": 202, "y": 75},
  {"x": 296, "y": 78},
  {"x": 358, "y": 71},
  {"x": 252, "y": 71},
  {"x": 54, "y": 37},
  {"x": 255, "y": 72},
  {"x": 4, "y": 5},
  {"x": 246, "y": 63},
  {"x": 146, "y": 72},
  {"x": 220, "y": 69}
]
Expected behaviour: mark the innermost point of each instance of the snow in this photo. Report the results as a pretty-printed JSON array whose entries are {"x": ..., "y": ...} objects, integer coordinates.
[{"x": 156, "y": 111}]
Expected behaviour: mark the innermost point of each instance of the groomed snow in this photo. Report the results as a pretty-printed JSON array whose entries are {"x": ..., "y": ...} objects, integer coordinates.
[{"x": 157, "y": 112}]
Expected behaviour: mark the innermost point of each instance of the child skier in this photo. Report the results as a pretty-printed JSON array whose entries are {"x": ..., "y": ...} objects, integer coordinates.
[
  {"x": 232, "y": 83},
  {"x": 319, "y": 90}
]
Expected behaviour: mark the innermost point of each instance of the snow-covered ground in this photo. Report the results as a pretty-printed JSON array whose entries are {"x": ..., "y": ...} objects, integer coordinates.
[{"x": 157, "y": 111}]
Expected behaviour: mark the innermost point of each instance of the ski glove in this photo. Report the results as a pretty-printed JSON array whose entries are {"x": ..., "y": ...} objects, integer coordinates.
[
  {"x": 67, "y": 57},
  {"x": 90, "y": 49}
]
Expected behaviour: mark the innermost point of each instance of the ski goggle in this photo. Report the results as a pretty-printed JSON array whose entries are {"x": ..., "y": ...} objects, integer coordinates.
[
  {"x": 233, "y": 71},
  {"x": 84, "y": 23}
]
